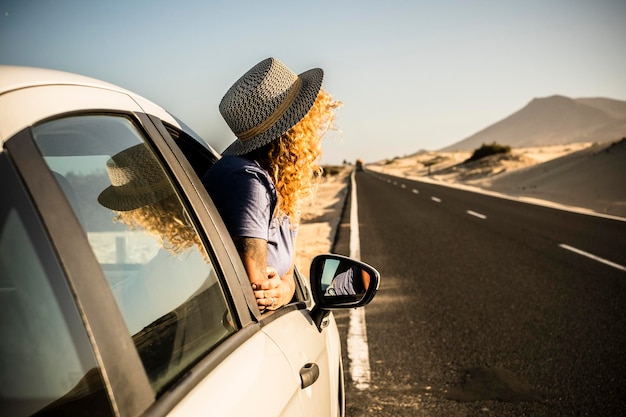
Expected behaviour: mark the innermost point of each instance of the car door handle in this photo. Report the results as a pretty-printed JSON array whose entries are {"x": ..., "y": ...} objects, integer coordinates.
[{"x": 309, "y": 374}]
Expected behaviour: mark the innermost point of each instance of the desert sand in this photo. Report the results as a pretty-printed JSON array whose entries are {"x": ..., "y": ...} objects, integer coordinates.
[{"x": 587, "y": 177}]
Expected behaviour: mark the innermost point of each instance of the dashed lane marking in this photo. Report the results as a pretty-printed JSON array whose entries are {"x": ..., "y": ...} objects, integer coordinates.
[
  {"x": 475, "y": 214},
  {"x": 592, "y": 256}
]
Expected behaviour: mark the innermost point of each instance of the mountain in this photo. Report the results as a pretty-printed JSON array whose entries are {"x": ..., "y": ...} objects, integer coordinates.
[{"x": 555, "y": 120}]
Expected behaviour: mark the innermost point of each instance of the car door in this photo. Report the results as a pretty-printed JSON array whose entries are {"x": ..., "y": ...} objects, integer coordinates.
[
  {"x": 178, "y": 307},
  {"x": 313, "y": 356}
]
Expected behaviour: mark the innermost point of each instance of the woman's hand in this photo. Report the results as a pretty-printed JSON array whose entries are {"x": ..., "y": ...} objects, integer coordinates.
[
  {"x": 271, "y": 293},
  {"x": 271, "y": 290}
]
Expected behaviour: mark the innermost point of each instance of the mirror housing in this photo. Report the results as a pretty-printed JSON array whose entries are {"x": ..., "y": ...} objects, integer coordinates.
[{"x": 339, "y": 282}]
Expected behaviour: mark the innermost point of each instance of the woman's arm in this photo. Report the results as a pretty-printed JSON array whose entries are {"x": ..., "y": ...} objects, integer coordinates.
[
  {"x": 253, "y": 254},
  {"x": 270, "y": 290}
]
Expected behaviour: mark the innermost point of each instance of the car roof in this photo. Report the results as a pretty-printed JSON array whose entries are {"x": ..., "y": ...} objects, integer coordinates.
[{"x": 18, "y": 78}]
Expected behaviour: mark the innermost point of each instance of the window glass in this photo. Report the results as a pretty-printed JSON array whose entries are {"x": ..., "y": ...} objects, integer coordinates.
[
  {"x": 143, "y": 237},
  {"x": 46, "y": 361}
]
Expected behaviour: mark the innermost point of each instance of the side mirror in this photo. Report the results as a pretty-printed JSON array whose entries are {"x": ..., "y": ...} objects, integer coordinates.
[{"x": 339, "y": 282}]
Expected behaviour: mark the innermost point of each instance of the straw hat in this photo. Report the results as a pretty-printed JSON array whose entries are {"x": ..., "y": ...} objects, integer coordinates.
[
  {"x": 137, "y": 180},
  {"x": 267, "y": 101}
]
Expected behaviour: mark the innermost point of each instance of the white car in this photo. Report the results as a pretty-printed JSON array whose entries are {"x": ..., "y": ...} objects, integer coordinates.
[{"x": 101, "y": 316}]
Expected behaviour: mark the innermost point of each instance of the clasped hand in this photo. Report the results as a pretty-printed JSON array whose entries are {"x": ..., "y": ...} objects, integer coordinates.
[{"x": 269, "y": 293}]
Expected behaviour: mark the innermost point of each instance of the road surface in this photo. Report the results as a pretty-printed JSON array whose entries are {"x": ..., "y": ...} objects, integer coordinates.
[{"x": 487, "y": 306}]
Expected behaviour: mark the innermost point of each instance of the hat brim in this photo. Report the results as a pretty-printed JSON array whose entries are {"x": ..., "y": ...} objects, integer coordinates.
[
  {"x": 123, "y": 198},
  {"x": 311, "y": 85}
]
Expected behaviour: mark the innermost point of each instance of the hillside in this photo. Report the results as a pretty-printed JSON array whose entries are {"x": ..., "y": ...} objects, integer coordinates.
[
  {"x": 594, "y": 178},
  {"x": 587, "y": 175},
  {"x": 554, "y": 120}
]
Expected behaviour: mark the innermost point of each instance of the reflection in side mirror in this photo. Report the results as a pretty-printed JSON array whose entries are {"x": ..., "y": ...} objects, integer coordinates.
[
  {"x": 343, "y": 278},
  {"x": 341, "y": 282}
]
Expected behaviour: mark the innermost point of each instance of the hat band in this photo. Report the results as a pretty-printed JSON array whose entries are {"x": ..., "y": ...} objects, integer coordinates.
[
  {"x": 273, "y": 118},
  {"x": 150, "y": 188}
]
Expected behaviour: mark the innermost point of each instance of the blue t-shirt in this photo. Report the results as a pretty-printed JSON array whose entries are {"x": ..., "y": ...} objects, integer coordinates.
[{"x": 245, "y": 197}]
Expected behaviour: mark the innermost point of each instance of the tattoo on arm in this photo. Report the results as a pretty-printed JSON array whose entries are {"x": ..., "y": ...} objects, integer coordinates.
[{"x": 253, "y": 253}]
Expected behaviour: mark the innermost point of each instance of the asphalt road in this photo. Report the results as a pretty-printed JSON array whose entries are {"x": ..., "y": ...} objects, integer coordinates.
[{"x": 487, "y": 306}]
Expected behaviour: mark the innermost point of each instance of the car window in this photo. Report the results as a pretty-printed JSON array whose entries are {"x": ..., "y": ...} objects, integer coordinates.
[
  {"x": 143, "y": 237},
  {"x": 46, "y": 361}
]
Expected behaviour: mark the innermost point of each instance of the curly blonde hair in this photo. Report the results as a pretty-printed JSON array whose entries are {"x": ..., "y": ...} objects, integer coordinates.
[
  {"x": 165, "y": 220},
  {"x": 292, "y": 159}
]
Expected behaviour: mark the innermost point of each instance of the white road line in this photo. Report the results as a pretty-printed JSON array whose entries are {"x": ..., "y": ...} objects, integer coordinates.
[
  {"x": 355, "y": 239},
  {"x": 436, "y": 199},
  {"x": 475, "y": 214},
  {"x": 594, "y": 257},
  {"x": 358, "y": 349},
  {"x": 415, "y": 191}
]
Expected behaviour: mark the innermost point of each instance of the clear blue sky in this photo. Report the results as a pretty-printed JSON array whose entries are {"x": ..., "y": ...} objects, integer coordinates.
[{"x": 412, "y": 74}]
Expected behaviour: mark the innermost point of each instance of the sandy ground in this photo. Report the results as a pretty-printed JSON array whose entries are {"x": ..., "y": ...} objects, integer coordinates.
[
  {"x": 448, "y": 166},
  {"x": 588, "y": 177}
]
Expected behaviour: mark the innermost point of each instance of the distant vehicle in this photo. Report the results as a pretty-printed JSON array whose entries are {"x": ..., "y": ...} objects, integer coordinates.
[
  {"x": 99, "y": 317},
  {"x": 359, "y": 165}
]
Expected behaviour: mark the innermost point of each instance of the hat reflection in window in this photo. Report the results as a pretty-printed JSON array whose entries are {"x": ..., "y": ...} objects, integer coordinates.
[{"x": 143, "y": 198}]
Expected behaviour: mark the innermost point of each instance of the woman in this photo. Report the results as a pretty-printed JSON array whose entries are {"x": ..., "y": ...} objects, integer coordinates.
[{"x": 279, "y": 119}]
